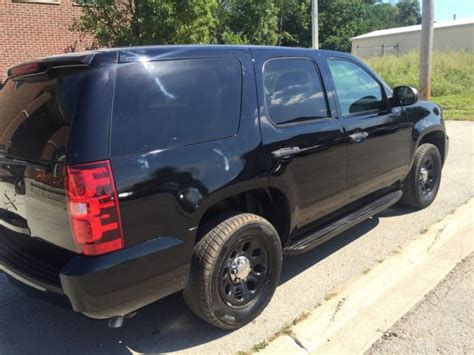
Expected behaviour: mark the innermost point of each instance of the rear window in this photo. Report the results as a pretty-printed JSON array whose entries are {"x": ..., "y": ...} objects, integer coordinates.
[
  {"x": 173, "y": 103},
  {"x": 36, "y": 114}
]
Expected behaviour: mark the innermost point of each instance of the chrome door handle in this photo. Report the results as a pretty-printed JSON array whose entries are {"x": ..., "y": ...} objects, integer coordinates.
[
  {"x": 286, "y": 152},
  {"x": 358, "y": 137}
]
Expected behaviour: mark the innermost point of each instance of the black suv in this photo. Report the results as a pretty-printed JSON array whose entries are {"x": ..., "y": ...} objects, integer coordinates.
[{"x": 130, "y": 174}]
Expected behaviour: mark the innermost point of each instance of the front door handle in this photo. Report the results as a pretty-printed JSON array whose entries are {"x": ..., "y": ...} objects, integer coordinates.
[
  {"x": 358, "y": 137},
  {"x": 286, "y": 152}
]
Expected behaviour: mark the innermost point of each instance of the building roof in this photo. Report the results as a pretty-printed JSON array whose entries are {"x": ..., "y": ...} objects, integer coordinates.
[{"x": 390, "y": 31}]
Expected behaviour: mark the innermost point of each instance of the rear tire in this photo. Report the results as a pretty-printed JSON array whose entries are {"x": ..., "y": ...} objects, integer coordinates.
[
  {"x": 422, "y": 183},
  {"x": 235, "y": 269}
]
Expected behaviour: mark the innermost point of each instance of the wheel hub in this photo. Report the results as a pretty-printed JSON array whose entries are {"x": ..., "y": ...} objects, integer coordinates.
[
  {"x": 423, "y": 175},
  {"x": 244, "y": 272},
  {"x": 240, "y": 269}
]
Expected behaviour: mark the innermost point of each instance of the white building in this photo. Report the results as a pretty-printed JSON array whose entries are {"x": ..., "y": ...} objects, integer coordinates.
[{"x": 451, "y": 35}]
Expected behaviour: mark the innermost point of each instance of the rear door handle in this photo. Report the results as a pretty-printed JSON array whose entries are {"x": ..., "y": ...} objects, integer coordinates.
[
  {"x": 286, "y": 152},
  {"x": 358, "y": 137}
]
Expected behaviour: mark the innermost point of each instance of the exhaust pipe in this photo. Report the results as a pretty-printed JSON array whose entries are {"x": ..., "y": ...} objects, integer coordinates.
[{"x": 117, "y": 321}]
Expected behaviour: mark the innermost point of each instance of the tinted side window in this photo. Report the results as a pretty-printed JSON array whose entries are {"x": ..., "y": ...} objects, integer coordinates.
[
  {"x": 172, "y": 103},
  {"x": 36, "y": 114},
  {"x": 293, "y": 91},
  {"x": 356, "y": 89}
]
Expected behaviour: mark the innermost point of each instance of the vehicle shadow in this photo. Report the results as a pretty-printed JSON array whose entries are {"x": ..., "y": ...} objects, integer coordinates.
[
  {"x": 396, "y": 211},
  {"x": 165, "y": 326},
  {"x": 295, "y": 264}
]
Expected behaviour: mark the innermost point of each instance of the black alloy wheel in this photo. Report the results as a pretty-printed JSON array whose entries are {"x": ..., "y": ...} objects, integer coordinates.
[
  {"x": 235, "y": 270},
  {"x": 422, "y": 183},
  {"x": 244, "y": 272},
  {"x": 427, "y": 176}
]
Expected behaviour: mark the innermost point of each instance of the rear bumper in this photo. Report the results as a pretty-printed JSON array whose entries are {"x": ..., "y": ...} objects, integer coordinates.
[
  {"x": 119, "y": 283},
  {"x": 113, "y": 284}
]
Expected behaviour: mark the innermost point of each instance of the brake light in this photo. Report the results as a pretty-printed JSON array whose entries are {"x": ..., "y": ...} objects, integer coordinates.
[
  {"x": 93, "y": 208},
  {"x": 24, "y": 69}
]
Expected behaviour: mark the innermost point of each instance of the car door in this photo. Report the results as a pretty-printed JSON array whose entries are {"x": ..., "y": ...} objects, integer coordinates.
[
  {"x": 303, "y": 141},
  {"x": 378, "y": 138}
]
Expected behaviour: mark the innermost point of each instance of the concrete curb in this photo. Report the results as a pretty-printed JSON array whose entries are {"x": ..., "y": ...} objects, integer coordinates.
[{"x": 360, "y": 311}]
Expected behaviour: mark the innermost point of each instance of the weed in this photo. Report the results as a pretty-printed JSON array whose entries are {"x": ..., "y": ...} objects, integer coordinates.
[
  {"x": 452, "y": 84},
  {"x": 330, "y": 295}
]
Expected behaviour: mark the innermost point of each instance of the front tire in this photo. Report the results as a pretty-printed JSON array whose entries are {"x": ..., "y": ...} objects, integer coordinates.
[
  {"x": 422, "y": 183},
  {"x": 235, "y": 269}
]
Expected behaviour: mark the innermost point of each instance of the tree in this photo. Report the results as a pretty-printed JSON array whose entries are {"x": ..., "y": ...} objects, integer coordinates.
[
  {"x": 294, "y": 23},
  {"x": 379, "y": 16},
  {"x": 339, "y": 20},
  {"x": 408, "y": 12},
  {"x": 268, "y": 22},
  {"x": 247, "y": 22},
  {"x": 140, "y": 22}
]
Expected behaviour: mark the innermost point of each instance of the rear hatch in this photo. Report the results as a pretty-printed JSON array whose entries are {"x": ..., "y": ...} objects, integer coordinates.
[{"x": 37, "y": 105}]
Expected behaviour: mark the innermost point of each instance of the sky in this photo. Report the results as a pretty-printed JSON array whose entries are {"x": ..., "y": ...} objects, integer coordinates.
[{"x": 445, "y": 9}]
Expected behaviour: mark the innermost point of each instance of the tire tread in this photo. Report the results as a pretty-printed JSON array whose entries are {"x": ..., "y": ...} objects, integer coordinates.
[
  {"x": 409, "y": 197},
  {"x": 206, "y": 253}
]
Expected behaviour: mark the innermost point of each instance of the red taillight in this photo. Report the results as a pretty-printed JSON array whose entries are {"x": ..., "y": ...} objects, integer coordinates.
[
  {"x": 24, "y": 69},
  {"x": 94, "y": 208}
]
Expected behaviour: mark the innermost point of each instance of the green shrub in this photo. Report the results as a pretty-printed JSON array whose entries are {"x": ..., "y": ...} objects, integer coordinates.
[{"x": 453, "y": 72}]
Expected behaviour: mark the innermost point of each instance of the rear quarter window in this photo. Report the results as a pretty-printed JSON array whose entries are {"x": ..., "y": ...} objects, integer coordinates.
[
  {"x": 36, "y": 114},
  {"x": 173, "y": 103}
]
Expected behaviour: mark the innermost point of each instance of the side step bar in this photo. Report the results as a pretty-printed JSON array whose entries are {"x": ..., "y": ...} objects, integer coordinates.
[{"x": 319, "y": 236}]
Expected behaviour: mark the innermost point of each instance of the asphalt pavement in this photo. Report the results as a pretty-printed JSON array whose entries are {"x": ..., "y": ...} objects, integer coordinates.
[
  {"x": 29, "y": 325},
  {"x": 442, "y": 323}
]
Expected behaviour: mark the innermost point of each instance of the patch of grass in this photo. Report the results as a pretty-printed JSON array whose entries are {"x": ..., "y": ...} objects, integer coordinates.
[
  {"x": 424, "y": 230},
  {"x": 452, "y": 84},
  {"x": 396, "y": 251},
  {"x": 303, "y": 316},
  {"x": 260, "y": 346},
  {"x": 286, "y": 330},
  {"x": 330, "y": 295},
  {"x": 457, "y": 107},
  {"x": 452, "y": 71}
]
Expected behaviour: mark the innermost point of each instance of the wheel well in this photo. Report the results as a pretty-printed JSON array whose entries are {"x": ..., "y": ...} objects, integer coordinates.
[
  {"x": 436, "y": 138},
  {"x": 268, "y": 203}
]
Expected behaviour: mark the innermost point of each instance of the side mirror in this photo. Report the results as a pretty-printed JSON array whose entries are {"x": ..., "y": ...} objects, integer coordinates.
[{"x": 404, "y": 96}]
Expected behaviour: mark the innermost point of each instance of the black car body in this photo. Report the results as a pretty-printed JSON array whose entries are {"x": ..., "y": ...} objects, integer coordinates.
[{"x": 175, "y": 135}]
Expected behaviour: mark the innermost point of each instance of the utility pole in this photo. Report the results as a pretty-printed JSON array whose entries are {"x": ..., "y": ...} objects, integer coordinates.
[
  {"x": 314, "y": 24},
  {"x": 426, "y": 48}
]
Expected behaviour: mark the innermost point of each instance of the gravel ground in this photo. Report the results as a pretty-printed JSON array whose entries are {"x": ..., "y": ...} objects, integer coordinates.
[
  {"x": 31, "y": 326},
  {"x": 443, "y": 322}
]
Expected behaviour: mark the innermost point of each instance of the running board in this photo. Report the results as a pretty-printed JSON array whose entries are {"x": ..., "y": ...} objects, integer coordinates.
[{"x": 319, "y": 236}]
